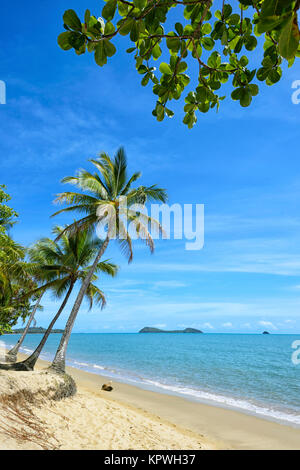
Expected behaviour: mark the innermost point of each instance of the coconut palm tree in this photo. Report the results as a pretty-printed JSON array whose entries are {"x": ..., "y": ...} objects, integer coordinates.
[
  {"x": 60, "y": 264},
  {"x": 100, "y": 199}
]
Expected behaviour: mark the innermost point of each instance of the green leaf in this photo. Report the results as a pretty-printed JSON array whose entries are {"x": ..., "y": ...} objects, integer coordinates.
[
  {"x": 100, "y": 55},
  {"x": 208, "y": 43},
  {"x": 262, "y": 74},
  {"x": 140, "y": 3},
  {"x": 145, "y": 80},
  {"x": 160, "y": 112},
  {"x": 244, "y": 61},
  {"x": 109, "y": 48},
  {"x": 179, "y": 28},
  {"x": 142, "y": 69},
  {"x": 206, "y": 28},
  {"x": 134, "y": 33},
  {"x": 236, "y": 94},
  {"x": 169, "y": 112},
  {"x": 227, "y": 11},
  {"x": 274, "y": 75},
  {"x": 253, "y": 89},
  {"x": 126, "y": 27},
  {"x": 251, "y": 43},
  {"x": 289, "y": 38},
  {"x": 173, "y": 44},
  {"x": 269, "y": 23},
  {"x": 245, "y": 98},
  {"x": 273, "y": 7},
  {"x": 234, "y": 19},
  {"x": 87, "y": 16},
  {"x": 156, "y": 52},
  {"x": 182, "y": 67},
  {"x": 238, "y": 46},
  {"x": 64, "y": 40},
  {"x": 108, "y": 11},
  {"x": 214, "y": 60},
  {"x": 109, "y": 28},
  {"x": 165, "y": 68},
  {"x": 71, "y": 19}
]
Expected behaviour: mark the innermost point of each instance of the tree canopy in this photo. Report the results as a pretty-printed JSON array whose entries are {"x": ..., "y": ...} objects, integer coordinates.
[
  {"x": 7, "y": 214},
  {"x": 218, "y": 37},
  {"x": 15, "y": 277}
]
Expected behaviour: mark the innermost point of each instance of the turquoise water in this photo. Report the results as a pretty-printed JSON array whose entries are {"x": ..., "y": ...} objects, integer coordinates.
[{"x": 253, "y": 373}]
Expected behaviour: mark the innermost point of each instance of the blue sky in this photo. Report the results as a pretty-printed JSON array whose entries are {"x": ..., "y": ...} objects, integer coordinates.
[{"x": 243, "y": 164}]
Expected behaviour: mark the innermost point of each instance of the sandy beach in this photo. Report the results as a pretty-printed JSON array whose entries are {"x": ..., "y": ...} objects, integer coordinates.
[{"x": 129, "y": 418}]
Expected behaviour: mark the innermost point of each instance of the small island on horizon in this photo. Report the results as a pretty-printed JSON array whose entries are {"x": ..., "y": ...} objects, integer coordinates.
[
  {"x": 33, "y": 330},
  {"x": 149, "y": 329}
]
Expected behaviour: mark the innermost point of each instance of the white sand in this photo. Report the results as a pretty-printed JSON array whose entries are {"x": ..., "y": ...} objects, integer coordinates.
[{"x": 86, "y": 421}]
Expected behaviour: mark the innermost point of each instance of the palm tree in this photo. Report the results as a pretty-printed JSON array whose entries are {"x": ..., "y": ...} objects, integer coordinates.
[
  {"x": 103, "y": 191},
  {"x": 60, "y": 265}
]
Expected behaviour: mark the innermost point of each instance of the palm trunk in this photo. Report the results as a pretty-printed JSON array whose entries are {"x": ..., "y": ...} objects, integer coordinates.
[
  {"x": 30, "y": 362},
  {"x": 59, "y": 362},
  {"x": 11, "y": 356}
]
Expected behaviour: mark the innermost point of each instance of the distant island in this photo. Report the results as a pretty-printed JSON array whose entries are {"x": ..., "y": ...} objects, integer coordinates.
[
  {"x": 34, "y": 330},
  {"x": 266, "y": 333},
  {"x": 149, "y": 329}
]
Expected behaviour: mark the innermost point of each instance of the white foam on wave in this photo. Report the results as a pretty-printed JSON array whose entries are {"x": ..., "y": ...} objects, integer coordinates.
[
  {"x": 84, "y": 364},
  {"x": 98, "y": 367},
  {"x": 230, "y": 402}
]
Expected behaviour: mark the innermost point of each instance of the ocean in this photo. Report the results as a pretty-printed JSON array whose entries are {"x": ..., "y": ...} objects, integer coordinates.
[{"x": 251, "y": 373}]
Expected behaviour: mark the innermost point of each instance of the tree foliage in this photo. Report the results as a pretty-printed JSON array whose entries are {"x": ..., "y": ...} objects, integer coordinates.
[
  {"x": 104, "y": 190},
  {"x": 15, "y": 277},
  {"x": 58, "y": 265},
  {"x": 219, "y": 37},
  {"x": 7, "y": 214}
]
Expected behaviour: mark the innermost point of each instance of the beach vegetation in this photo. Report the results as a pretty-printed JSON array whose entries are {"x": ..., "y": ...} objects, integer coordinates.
[
  {"x": 57, "y": 266},
  {"x": 15, "y": 274}
]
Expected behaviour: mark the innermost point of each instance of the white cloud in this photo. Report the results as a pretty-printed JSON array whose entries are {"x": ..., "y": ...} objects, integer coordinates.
[
  {"x": 267, "y": 324},
  {"x": 227, "y": 325},
  {"x": 208, "y": 325},
  {"x": 170, "y": 284}
]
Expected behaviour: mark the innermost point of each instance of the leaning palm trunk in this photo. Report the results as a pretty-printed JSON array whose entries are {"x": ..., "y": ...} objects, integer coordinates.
[
  {"x": 30, "y": 362},
  {"x": 11, "y": 356},
  {"x": 59, "y": 362}
]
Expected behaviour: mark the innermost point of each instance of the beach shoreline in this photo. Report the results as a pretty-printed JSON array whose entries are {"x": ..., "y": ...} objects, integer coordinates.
[
  {"x": 271, "y": 400},
  {"x": 215, "y": 427}
]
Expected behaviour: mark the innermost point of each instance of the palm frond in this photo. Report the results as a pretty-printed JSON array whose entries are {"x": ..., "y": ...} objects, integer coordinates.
[
  {"x": 119, "y": 171},
  {"x": 108, "y": 268},
  {"x": 125, "y": 242},
  {"x": 126, "y": 188},
  {"x": 95, "y": 295}
]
